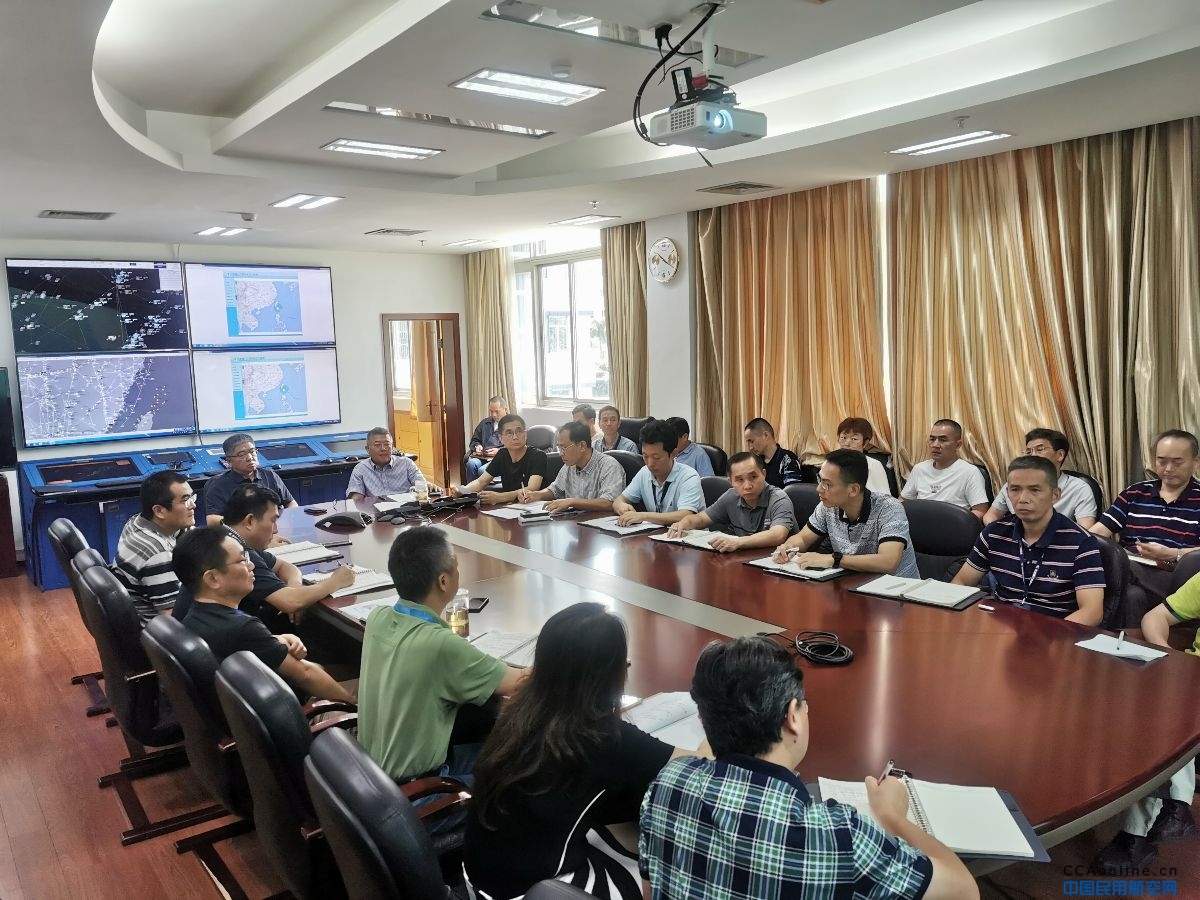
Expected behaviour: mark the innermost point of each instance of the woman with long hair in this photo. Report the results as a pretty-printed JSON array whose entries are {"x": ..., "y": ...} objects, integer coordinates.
[{"x": 560, "y": 765}]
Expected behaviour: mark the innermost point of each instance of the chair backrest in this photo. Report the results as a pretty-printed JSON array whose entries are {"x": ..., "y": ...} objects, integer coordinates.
[
  {"x": 809, "y": 474},
  {"x": 66, "y": 541},
  {"x": 718, "y": 457},
  {"x": 115, "y": 625},
  {"x": 379, "y": 843},
  {"x": 273, "y": 740},
  {"x": 804, "y": 500},
  {"x": 540, "y": 437},
  {"x": 942, "y": 536},
  {"x": 1116, "y": 578},
  {"x": 630, "y": 462},
  {"x": 885, "y": 459},
  {"x": 1091, "y": 482},
  {"x": 188, "y": 672},
  {"x": 554, "y": 464},
  {"x": 632, "y": 429},
  {"x": 987, "y": 482},
  {"x": 713, "y": 487},
  {"x": 555, "y": 890},
  {"x": 85, "y": 559}
]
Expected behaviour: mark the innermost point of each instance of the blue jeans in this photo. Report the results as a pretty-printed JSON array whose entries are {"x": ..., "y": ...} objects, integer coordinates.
[
  {"x": 460, "y": 764},
  {"x": 475, "y": 467}
]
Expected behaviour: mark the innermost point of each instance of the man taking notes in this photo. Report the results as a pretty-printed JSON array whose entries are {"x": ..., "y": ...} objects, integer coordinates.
[
  {"x": 944, "y": 476},
  {"x": 1038, "y": 557},
  {"x": 667, "y": 489},
  {"x": 868, "y": 530},
  {"x": 752, "y": 513},
  {"x": 515, "y": 467},
  {"x": 1077, "y": 502},
  {"x": 587, "y": 480}
]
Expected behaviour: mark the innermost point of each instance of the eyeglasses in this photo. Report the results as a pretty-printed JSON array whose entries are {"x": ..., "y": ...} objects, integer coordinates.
[
  {"x": 189, "y": 499},
  {"x": 243, "y": 560},
  {"x": 245, "y": 454},
  {"x": 512, "y": 432}
]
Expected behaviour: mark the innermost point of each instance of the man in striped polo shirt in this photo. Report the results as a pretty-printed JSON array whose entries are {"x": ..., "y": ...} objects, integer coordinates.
[
  {"x": 143, "y": 560},
  {"x": 1038, "y": 557},
  {"x": 1159, "y": 524}
]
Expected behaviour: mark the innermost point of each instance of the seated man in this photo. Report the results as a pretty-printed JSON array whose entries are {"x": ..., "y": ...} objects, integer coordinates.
[
  {"x": 218, "y": 573},
  {"x": 1077, "y": 502},
  {"x": 855, "y": 433},
  {"x": 1038, "y": 557},
  {"x": 251, "y": 518},
  {"x": 383, "y": 472},
  {"x": 610, "y": 437},
  {"x": 666, "y": 488},
  {"x": 143, "y": 560},
  {"x": 751, "y": 513},
  {"x": 743, "y": 825},
  {"x": 242, "y": 458},
  {"x": 485, "y": 441},
  {"x": 516, "y": 466},
  {"x": 946, "y": 477},
  {"x": 781, "y": 465},
  {"x": 586, "y": 413},
  {"x": 587, "y": 479},
  {"x": 867, "y": 530},
  {"x": 417, "y": 673},
  {"x": 691, "y": 455},
  {"x": 1159, "y": 521}
]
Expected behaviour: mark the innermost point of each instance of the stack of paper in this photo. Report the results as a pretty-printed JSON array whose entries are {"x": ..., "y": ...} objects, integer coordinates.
[
  {"x": 514, "y": 510},
  {"x": 609, "y": 524},
  {"x": 361, "y": 610},
  {"x": 304, "y": 552},
  {"x": 514, "y": 648},
  {"x": 1106, "y": 643},
  {"x": 407, "y": 497},
  {"x": 670, "y": 717},
  {"x": 365, "y": 581},
  {"x": 698, "y": 538}
]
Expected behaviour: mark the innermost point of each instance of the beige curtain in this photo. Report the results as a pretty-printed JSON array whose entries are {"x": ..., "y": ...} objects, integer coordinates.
[
  {"x": 489, "y": 285},
  {"x": 787, "y": 314},
  {"x": 623, "y": 254},
  {"x": 426, "y": 379}
]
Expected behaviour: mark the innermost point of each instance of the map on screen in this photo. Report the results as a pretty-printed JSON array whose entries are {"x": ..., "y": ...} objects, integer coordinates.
[
  {"x": 250, "y": 389},
  {"x": 74, "y": 399},
  {"x": 80, "y": 306},
  {"x": 269, "y": 388},
  {"x": 259, "y": 306},
  {"x": 263, "y": 306}
]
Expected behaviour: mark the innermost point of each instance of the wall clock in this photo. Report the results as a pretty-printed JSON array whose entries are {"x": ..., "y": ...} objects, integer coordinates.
[{"x": 663, "y": 260}]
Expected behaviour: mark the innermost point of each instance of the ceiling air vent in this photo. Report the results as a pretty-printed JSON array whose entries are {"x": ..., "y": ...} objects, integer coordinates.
[
  {"x": 74, "y": 214},
  {"x": 739, "y": 187},
  {"x": 399, "y": 232}
]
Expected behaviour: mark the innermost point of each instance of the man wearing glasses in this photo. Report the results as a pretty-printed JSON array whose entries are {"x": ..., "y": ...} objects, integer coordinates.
[
  {"x": 242, "y": 457},
  {"x": 514, "y": 467},
  {"x": 143, "y": 560},
  {"x": 1076, "y": 500},
  {"x": 587, "y": 480},
  {"x": 218, "y": 572}
]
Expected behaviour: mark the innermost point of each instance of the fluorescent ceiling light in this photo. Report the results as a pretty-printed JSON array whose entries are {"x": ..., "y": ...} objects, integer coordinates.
[
  {"x": 292, "y": 200},
  {"x": 526, "y": 87},
  {"x": 951, "y": 143},
  {"x": 216, "y": 229},
  {"x": 591, "y": 219},
  {"x": 391, "y": 112},
  {"x": 230, "y": 232},
  {"x": 220, "y": 230},
  {"x": 319, "y": 202},
  {"x": 374, "y": 148},
  {"x": 466, "y": 243}
]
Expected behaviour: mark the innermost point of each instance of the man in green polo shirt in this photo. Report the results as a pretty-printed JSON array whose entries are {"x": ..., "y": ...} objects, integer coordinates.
[{"x": 416, "y": 673}]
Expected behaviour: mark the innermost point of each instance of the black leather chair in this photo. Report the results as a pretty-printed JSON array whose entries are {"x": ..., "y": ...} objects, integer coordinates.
[
  {"x": 942, "y": 536},
  {"x": 632, "y": 429},
  {"x": 804, "y": 500},
  {"x": 555, "y": 890},
  {"x": 376, "y": 835},
  {"x": 885, "y": 459},
  {"x": 809, "y": 474},
  {"x": 1097, "y": 493},
  {"x": 1116, "y": 580},
  {"x": 987, "y": 482},
  {"x": 1137, "y": 601},
  {"x": 630, "y": 462},
  {"x": 67, "y": 542},
  {"x": 718, "y": 457},
  {"x": 273, "y": 739},
  {"x": 554, "y": 464},
  {"x": 137, "y": 705},
  {"x": 713, "y": 487},
  {"x": 541, "y": 437}
]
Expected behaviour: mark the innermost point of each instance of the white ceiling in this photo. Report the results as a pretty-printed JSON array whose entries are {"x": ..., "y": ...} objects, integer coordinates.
[{"x": 177, "y": 114}]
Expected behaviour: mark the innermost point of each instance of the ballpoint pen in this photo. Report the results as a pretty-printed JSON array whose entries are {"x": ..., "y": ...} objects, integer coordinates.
[
  {"x": 887, "y": 770},
  {"x": 1120, "y": 639}
]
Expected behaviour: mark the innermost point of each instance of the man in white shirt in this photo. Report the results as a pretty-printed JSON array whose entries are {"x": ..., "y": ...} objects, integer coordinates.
[
  {"x": 1077, "y": 502},
  {"x": 944, "y": 476}
]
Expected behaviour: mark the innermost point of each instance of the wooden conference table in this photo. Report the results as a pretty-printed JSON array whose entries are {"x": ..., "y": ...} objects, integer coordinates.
[{"x": 1000, "y": 698}]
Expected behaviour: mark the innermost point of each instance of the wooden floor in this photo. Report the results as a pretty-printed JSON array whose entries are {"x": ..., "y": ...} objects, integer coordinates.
[{"x": 60, "y": 833}]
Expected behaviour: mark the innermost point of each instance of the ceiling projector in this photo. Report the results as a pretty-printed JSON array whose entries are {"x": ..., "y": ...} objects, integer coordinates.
[{"x": 707, "y": 124}]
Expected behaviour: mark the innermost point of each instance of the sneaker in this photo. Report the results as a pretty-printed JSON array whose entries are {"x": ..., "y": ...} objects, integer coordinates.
[
  {"x": 1173, "y": 823},
  {"x": 1124, "y": 852}
]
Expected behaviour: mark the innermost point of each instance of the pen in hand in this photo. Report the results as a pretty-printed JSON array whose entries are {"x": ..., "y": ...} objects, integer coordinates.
[{"x": 887, "y": 770}]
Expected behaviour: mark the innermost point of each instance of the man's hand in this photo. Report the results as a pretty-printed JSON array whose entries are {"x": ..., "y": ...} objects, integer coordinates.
[
  {"x": 815, "y": 561},
  {"x": 782, "y": 554},
  {"x": 490, "y": 497},
  {"x": 556, "y": 505},
  {"x": 489, "y": 453},
  {"x": 633, "y": 517},
  {"x": 295, "y": 646},
  {"x": 342, "y": 577},
  {"x": 278, "y": 541},
  {"x": 889, "y": 801},
  {"x": 676, "y": 530},
  {"x": 725, "y": 543}
]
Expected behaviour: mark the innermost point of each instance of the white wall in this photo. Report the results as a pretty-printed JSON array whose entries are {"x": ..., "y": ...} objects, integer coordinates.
[{"x": 671, "y": 327}]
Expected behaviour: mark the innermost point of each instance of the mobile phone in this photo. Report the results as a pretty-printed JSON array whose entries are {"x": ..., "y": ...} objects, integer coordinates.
[{"x": 476, "y": 604}]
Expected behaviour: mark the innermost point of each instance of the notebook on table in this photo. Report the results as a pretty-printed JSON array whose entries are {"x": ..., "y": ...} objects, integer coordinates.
[
  {"x": 302, "y": 553},
  {"x": 365, "y": 580},
  {"x": 512, "y": 647},
  {"x": 791, "y": 569},
  {"x": 929, "y": 591},
  {"x": 670, "y": 717},
  {"x": 698, "y": 538},
  {"x": 609, "y": 524}
]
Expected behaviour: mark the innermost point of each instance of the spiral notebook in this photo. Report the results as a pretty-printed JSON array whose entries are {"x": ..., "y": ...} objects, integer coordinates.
[{"x": 971, "y": 821}]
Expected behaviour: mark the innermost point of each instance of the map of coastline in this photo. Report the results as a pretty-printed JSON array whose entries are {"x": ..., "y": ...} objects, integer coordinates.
[
  {"x": 258, "y": 306},
  {"x": 263, "y": 389}
]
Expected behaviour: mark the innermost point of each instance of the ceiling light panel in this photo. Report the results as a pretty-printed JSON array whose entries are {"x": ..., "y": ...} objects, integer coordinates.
[
  {"x": 466, "y": 243},
  {"x": 392, "y": 112},
  {"x": 292, "y": 200},
  {"x": 375, "y": 148},
  {"x": 220, "y": 231},
  {"x": 951, "y": 143},
  {"x": 515, "y": 86},
  {"x": 586, "y": 220}
]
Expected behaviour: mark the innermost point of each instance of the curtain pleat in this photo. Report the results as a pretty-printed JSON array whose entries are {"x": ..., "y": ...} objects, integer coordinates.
[
  {"x": 489, "y": 277},
  {"x": 623, "y": 253}
]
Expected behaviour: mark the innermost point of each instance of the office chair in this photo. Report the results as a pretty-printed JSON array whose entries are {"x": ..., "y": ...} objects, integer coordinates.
[
  {"x": 541, "y": 437},
  {"x": 987, "y": 482},
  {"x": 718, "y": 457},
  {"x": 1137, "y": 602},
  {"x": 632, "y": 429},
  {"x": 804, "y": 500},
  {"x": 67, "y": 542},
  {"x": 942, "y": 536},
  {"x": 1116, "y": 580},
  {"x": 377, "y": 836},
  {"x": 134, "y": 695},
  {"x": 555, "y": 890},
  {"x": 1097, "y": 493},
  {"x": 630, "y": 462},
  {"x": 554, "y": 464},
  {"x": 713, "y": 487}
]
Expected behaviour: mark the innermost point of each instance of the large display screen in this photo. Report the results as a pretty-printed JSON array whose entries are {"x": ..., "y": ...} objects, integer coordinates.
[
  {"x": 259, "y": 306},
  {"x": 81, "y": 306},
  {"x": 249, "y": 389},
  {"x": 83, "y": 398}
]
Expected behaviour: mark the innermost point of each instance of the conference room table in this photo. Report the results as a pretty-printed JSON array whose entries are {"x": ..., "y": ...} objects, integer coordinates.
[{"x": 1002, "y": 698}]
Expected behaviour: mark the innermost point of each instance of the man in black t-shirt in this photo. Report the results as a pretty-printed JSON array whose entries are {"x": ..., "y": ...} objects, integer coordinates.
[
  {"x": 781, "y": 465},
  {"x": 216, "y": 570},
  {"x": 515, "y": 466}
]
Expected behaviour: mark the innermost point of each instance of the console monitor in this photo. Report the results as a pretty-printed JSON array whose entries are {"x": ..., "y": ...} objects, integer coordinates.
[
  {"x": 245, "y": 390},
  {"x": 259, "y": 306}
]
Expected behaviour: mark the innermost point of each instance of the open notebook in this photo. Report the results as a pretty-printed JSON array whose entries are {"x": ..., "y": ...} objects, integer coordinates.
[
  {"x": 364, "y": 608},
  {"x": 921, "y": 590},
  {"x": 791, "y": 569},
  {"x": 302, "y": 553},
  {"x": 609, "y": 524},
  {"x": 974, "y": 821},
  {"x": 514, "y": 648},
  {"x": 698, "y": 538},
  {"x": 671, "y": 717},
  {"x": 365, "y": 580}
]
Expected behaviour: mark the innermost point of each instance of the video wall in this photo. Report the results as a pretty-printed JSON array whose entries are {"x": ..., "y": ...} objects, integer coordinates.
[{"x": 115, "y": 350}]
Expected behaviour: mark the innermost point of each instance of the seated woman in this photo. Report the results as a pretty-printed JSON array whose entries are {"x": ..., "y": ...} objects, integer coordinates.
[
  {"x": 855, "y": 434},
  {"x": 560, "y": 765},
  {"x": 516, "y": 465}
]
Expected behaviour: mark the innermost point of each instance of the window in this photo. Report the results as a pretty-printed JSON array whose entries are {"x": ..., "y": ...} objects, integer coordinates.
[
  {"x": 560, "y": 338},
  {"x": 402, "y": 363}
]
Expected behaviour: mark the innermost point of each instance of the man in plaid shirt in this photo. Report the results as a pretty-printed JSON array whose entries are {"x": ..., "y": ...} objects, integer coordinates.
[{"x": 742, "y": 826}]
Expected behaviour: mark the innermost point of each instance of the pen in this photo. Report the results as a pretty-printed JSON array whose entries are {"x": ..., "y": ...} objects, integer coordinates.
[
  {"x": 887, "y": 770},
  {"x": 987, "y": 608},
  {"x": 792, "y": 552},
  {"x": 1120, "y": 639},
  {"x": 338, "y": 544}
]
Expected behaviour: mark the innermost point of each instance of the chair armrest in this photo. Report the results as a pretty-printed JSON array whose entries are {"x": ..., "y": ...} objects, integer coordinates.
[
  {"x": 229, "y": 745},
  {"x": 342, "y": 720},
  {"x": 434, "y": 784},
  {"x": 139, "y": 676},
  {"x": 316, "y": 707},
  {"x": 441, "y": 808},
  {"x": 311, "y": 831}
]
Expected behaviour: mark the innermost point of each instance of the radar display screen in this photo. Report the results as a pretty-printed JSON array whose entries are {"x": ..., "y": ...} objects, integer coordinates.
[{"x": 286, "y": 451}]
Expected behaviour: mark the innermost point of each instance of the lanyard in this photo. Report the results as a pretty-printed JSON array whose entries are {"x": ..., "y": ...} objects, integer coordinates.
[
  {"x": 659, "y": 501},
  {"x": 1027, "y": 585}
]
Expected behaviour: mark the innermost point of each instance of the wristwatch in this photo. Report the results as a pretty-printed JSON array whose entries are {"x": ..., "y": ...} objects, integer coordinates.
[{"x": 837, "y": 559}]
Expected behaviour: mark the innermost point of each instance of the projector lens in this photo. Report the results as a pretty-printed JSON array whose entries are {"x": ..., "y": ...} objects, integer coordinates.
[{"x": 722, "y": 121}]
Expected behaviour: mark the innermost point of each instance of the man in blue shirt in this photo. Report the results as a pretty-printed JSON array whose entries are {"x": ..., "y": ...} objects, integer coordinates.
[
  {"x": 485, "y": 440},
  {"x": 691, "y": 455},
  {"x": 666, "y": 488},
  {"x": 242, "y": 458}
]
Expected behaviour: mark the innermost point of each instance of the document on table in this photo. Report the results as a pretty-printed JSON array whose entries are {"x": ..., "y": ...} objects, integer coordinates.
[
  {"x": 302, "y": 553},
  {"x": 513, "y": 510},
  {"x": 365, "y": 581},
  {"x": 384, "y": 506},
  {"x": 921, "y": 590},
  {"x": 364, "y": 608},
  {"x": 670, "y": 717},
  {"x": 698, "y": 538},
  {"x": 609, "y": 524},
  {"x": 1106, "y": 643},
  {"x": 513, "y": 647},
  {"x": 406, "y": 497},
  {"x": 792, "y": 569}
]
